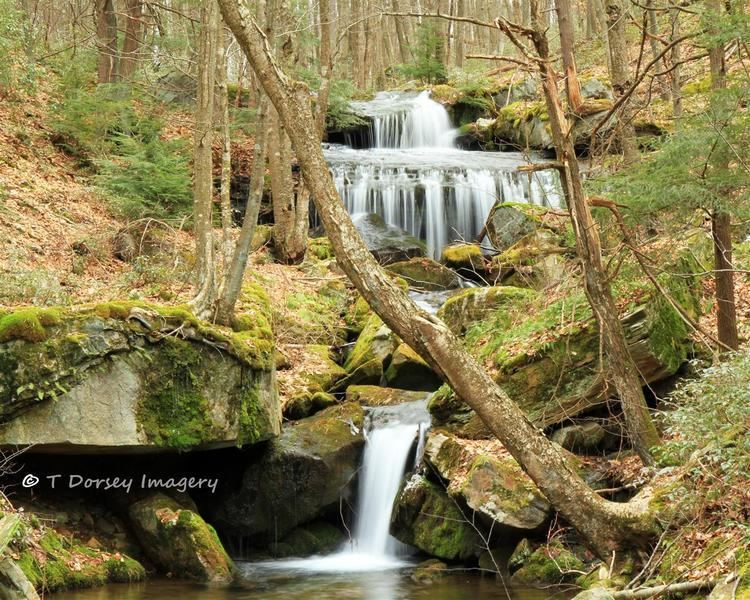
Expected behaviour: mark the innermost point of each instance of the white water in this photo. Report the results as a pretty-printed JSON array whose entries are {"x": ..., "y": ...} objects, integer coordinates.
[
  {"x": 384, "y": 463},
  {"x": 417, "y": 180}
]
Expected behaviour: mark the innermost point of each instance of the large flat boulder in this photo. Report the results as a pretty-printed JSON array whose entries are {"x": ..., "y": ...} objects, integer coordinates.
[
  {"x": 387, "y": 243},
  {"x": 297, "y": 477},
  {"x": 131, "y": 377}
]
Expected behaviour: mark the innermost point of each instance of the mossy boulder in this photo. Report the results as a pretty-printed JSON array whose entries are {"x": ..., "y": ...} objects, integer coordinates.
[
  {"x": 374, "y": 395},
  {"x": 307, "y": 404},
  {"x": 475, "y": 304},
  {"x": 488, "y": 481},
  {"x": 429, "y": 571},
  {"x": 536, "y": 260},
  {"x": 134, "y": 377},
  {"x": 53, "y": 563},
  {"x": 14, "y": 585},
  {"x": 426, "y": 274},
  {"x": 425, "y": 517},
  {"x": 179, "y": 541},
  {"x": 550, "y": 564},
  {"x": 508, "y": 223},
  {"x": 297, "y": 477},
  {"x": 376, "y": 342},
  {"x": 323, "y": 371},
  {"x": 523, "y": 125},
  {"x": 465, "y": 259},
  {"x": 407, "y": 370}
]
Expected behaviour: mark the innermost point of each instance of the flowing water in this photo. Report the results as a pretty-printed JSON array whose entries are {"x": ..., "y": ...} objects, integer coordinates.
[{"x": 415, "y": 177}]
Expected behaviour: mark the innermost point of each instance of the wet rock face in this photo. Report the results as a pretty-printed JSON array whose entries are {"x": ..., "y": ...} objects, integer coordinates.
[
  {"x": 128, "y": 378},
  {"x": 426, "y": 274},
  {"x": 297, "y": 477},
  {"x": 387, "y": 243},
  {"x": 179, "y": 541}
]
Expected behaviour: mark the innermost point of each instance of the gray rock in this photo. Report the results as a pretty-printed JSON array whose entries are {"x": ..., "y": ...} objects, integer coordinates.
[
  {"x": 14, "y": 585},
  {"x": 297, "y": 477},
  {"x": 386, "y": 242},
  {"x": 594, "y": 593},
  {"x": 526, "y": 89},
  {"x": 581, "y": 437},
  {"x": 596, "y": 89},
  {"x": 508, "y": 223},
  {"x": 125, "y": 384}
]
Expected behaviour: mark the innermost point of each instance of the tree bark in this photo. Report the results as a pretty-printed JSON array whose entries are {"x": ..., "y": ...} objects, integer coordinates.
[
  {"x": 222, "y": 111},
  {"x": 604, "y": 525},
  {"x": 232, "y": 284},
  {"x": 652, "y": 29},
  {"x": 622, "y": 370},
  {"x": 203, "y": 186},
  {"x": 567, "y": 45},
  {"x": 619, "y": 74},
  {"x": 675, "y": 78},
  {"x": 131, "y": 47},
  {"x": 106, "y": 33},
  {"x": 326, "y": 64},
  {"x": 721, "y": 221}
]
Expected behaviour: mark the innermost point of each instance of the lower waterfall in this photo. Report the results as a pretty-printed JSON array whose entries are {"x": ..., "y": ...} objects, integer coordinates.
[{"x": 389, "y": 445}]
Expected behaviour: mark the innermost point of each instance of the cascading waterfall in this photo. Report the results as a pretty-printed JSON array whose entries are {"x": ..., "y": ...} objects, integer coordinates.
[
  {"x": 416, "y": 179},
  {"x": 388, "y": 447}
]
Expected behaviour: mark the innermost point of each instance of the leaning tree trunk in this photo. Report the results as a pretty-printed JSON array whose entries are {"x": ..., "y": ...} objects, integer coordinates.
[
  {"x": 621, "y": 368},
  {"x": 606, "y": 526},
  {"x": 721, "y": 221},
  {"x": 203, "y": 186},
  {"x": 619, "y": 74},
  {"x": 232, "y": 284},
  {"x": 567, "y": 44}
]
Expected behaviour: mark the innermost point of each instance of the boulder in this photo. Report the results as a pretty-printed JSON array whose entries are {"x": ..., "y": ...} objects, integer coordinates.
[
  {"x": 374, "y": 395},
  {"x": 488, "y": 480},
  {"x": 550, "y": 564},
  {"x": 475, "y": 304},
  {"x": 536, "y": 260},
  {"x": 376, "y": 342},
  {"x": 466, "y": 259},
  {"x": 14, "y": 585},
  {"x": 523, "y": 125},
  {"x": 600, "y": 593},
  {"x": 596, "y": 89},
  {"x": 585, "y": 437},
  {"x": 426, "y": 274},
  {"x": 323, "y": 371},
  {"x": 133, "y": 377},
  {"x": 179, "y": 541},
  {"x": 387, "y": 243},
  {"x": 307, "y": 404},
  {"x": 429, "y": 571},
  {"x": 425, "y": 517},
  {"x": 527, "y": 89},
  {"x": 510, "y": 222},
  {"x": 299, "y": 475},
  {"x": 317, "y": 537},
  {"x": 407, "y": 370}
]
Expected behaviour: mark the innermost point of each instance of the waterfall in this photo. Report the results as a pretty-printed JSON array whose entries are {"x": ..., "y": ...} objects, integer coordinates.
[
  {"x": 416, "y": 179},
  {"x": 389, "y": 443}
]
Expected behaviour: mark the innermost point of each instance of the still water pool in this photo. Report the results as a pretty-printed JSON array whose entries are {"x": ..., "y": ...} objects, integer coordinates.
[{"x": 296, "y": 585}]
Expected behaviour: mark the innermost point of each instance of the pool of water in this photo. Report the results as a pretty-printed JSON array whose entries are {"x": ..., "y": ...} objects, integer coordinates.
[{"x": 304, "y": 585}]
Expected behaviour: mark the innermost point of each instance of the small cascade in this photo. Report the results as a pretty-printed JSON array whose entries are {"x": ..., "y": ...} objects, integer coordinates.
[
  {"x": 415, "y": 178},
  {"x": 389, "y": 443}
]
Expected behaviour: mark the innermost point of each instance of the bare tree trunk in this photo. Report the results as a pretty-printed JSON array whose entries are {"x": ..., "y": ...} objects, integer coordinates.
[
  {"x": 620, "y": 365},
  {"x": 203, "y": 186},
  {"x": 232, "y": 284},
  {"x": 460, "y": 33},
  {"x": 106, "y": 33},
  {"x": 131, "y": 47},
  {"x": 652, "y": 29},
  {"x": 403, "y": 44},
  {"x": 222, "y": 112},
  {"x": 567, "y": 45},
  {"x": 606, "y": 526},
  {"x": 326, "y": 64},
  {"x": 675, "y": 79},
  {"x": 721, "y": 221},
  {"x": 619, "y": 74}
]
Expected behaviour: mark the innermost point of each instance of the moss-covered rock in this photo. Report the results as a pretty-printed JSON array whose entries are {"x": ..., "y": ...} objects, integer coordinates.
[
  {"x": 427, "y": 518},
  {"x": 297, "y": 477},
  {"x": 53, "y": 563},
  {"x": 376, "y": 342},
  {"x": 429, "y": 571},
  {"x": 489, "y": 482},
  {"x": 466, "y": 259},
  {"x": 508, "y": 223},
  {"x": 133, "y": 376},
  {"x": 374, "y": 395},
  {"x": 548, "y": 565},
  {"x": 179, "y": 541},
  {"x": 386, "y": 242},
  {"x": 475, "y": 304},
  {"x": 407, "y": 370},
  {"x": 426, "y": 274},
  {"x": 307, "y": 404}
]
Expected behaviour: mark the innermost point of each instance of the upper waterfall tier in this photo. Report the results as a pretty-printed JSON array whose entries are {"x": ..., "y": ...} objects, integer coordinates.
[
  {"x": 404, "y": 120},
  {"x": 438, "y": 195}
]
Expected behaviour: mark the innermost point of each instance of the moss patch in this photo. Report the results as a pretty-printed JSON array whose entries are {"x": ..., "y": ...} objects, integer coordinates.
[{"x": 28, "y": 324}]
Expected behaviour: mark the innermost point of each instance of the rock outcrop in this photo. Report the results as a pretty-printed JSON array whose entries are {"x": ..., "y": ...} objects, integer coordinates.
[{"x": 133, "y": 377}]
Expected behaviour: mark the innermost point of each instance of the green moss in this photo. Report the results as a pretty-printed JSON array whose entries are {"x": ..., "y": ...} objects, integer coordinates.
[
  {"x": 521, "y": 112},
  {"x": 28, "y": 324},
  {"x": 363, "y": 350},
  {"x": 253, "y": 421},
  {"x": 173, "y": 412},
  {"x": 320, "y": 248},
  {"x": 463, "y": 255},
  {"x": 549, "y": 564}
]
